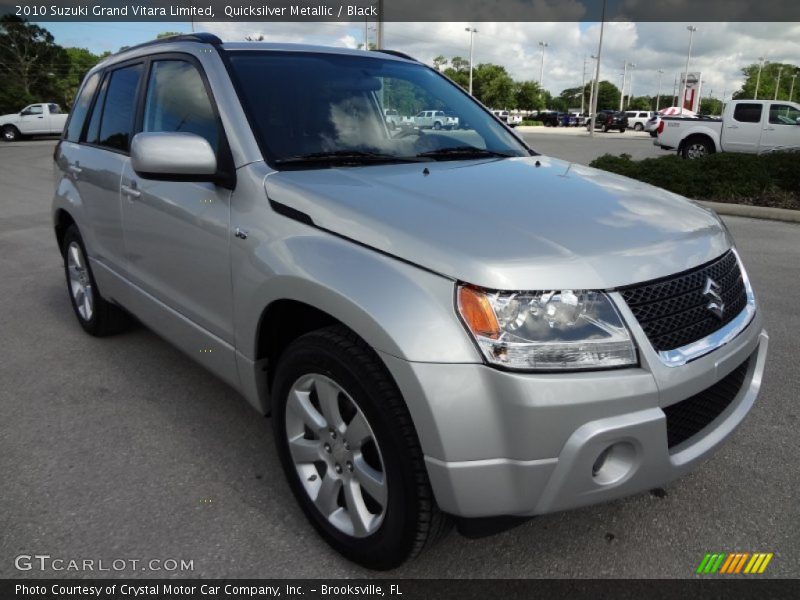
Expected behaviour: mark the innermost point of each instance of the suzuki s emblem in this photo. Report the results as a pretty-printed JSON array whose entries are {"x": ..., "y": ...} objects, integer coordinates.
[{"x": 711, "y": 291}]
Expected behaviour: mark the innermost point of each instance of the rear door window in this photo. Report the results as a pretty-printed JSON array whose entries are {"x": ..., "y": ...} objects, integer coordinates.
[
  {"x": 783, "y": 114},
  {"x": 116, "y": 124},
  {"x": 747, "y": 113}
]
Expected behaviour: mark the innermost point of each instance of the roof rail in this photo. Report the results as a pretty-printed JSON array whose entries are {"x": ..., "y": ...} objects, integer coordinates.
[
  {"x": 394, "y": 53},
  {"x": 202, "y": 36}
]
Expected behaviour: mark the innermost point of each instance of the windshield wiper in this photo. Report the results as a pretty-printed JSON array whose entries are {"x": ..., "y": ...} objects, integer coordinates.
[
  {"x": 463, "y": 152},
  {"x": 344, "y": 157}
]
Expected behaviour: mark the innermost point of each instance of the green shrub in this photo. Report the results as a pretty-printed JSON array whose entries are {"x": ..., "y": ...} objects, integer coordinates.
[
  {"x": 766, "y": 180},
  {"x": 531, "y": 123}
]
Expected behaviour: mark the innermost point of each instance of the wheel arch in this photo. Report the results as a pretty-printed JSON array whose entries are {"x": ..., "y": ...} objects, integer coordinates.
[
  {"x": 698, "y": 136},
  {"x": 62, "y": 219}
]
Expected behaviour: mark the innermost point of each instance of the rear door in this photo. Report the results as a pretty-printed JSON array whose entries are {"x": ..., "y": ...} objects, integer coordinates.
[
  {"x": 177, "y": 232},
  {"x": 781, "y": 129},
  {"x": 742, "y": 132}
]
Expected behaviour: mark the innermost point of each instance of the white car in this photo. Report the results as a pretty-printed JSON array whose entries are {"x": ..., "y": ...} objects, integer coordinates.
[
  {"x": 747, "y": 126},
  {"x": 637, "y": 119},
  {"x": 435, "y": 119},
  {"x": 35, "y": 119},
  {"x": 508, "y": 118}
]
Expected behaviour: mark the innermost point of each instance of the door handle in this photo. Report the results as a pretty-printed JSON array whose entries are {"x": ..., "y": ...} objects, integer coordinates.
[
  {"x": 733, "y": 127},
  {"x": 240, "y": 233},
  {"x": 74, "y": 169},
  {"x": 131, "y": 190},
  {"x": 40, "y": 117},
  {"x": 769, "y": 129}
]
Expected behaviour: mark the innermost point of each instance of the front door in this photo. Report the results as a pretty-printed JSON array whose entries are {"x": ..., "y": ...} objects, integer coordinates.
[
  {"x": 177, "y": 233},
  {"x": 782, "y": 129},
  {"x": 32, "y": 121}
]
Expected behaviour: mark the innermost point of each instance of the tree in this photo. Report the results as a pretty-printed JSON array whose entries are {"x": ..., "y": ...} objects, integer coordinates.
[
  {"x": 460, "y": 64},
  {"x": 529, "y": 96},
  {"x": 640, "y": 103},
  {"x": 459, "y": 77},
  {"x": 767, "y": 82},
  {"x": 493, "y": 86},
  {"x": 80, "y": 61},
  {"x": 30, "y": 64},
  {"x": 439, "y": 62},
  {"x": 607, "y": 96},
  {"x": 166, "y": 34},
  {"x": 710, "y": 106}
]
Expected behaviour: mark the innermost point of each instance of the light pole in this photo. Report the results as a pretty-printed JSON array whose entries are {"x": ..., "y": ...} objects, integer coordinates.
[
  {"x": 591, "y": 89},
  {"x": 675, "y": 92},
  {"x": 472, "y": 32},
  {"x": 622, "y": 91},
  {"x": 541, "y": 70},
  {"x": 630, "y": 85},
  {"x": 583, "y": 85},
  {"x": 761, "y": 62},
  {"x": 658, "y": 95},
  {"x": 778, "y": 82},
  {"x": 597, "y": 71},
  {"x": 691, "y": 29},
  {"x": 791, "y": 89}
]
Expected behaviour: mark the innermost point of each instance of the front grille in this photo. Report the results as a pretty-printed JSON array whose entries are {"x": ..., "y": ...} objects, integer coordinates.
[
  {"x": 673, "y": 311},
  {"x": 688, "y": 417}
]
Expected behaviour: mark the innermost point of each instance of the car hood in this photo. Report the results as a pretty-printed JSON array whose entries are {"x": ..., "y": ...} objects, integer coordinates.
[
  {"x": 9, "y": 117},
  {"x": 519, "y": 223}
]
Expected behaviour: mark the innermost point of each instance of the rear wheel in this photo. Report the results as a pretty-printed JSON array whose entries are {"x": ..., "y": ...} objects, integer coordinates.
[
  {"x": 96, "y": 315},
  {"x": 638, "y": 127},
  {"x": 697, "y": 147},
  {"x": 437, "y": 126},
  {"x": 350, "y": 451},
  {"x": 9, "y": 133}
]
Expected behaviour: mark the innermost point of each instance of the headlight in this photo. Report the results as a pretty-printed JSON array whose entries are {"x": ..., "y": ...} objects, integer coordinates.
[{"x": 549, "y": 330}]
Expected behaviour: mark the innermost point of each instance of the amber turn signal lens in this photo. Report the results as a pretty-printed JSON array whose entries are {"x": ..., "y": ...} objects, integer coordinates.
[{"x": 477, "y": 312}]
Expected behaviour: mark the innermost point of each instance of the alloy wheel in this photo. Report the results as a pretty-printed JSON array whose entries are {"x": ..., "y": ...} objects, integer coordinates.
[{"x": 80, "y": 284}]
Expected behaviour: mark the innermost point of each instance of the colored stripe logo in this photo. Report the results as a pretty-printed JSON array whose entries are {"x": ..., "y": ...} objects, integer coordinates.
[{"x": 734, "y": 563}]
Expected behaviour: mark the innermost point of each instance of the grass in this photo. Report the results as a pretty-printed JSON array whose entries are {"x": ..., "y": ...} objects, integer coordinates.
[{"x": 767, "y": 180}]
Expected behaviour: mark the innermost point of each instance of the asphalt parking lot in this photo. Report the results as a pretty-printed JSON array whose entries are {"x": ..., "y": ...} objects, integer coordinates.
[
  {"x": 124, "y": 448},
  {"x": 576, "y": 145}
]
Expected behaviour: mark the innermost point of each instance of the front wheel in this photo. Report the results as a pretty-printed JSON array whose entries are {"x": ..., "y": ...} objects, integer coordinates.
[
  {"x": 350, "y": 451},
  {"x": 437, "y": 126}
]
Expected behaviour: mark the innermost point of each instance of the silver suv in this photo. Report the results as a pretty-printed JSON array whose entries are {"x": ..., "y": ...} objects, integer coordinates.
[{"x": 443, "y": 325}]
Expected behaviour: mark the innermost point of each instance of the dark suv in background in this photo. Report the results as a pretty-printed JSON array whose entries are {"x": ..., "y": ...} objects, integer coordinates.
[{"x": 610, "y": 119}]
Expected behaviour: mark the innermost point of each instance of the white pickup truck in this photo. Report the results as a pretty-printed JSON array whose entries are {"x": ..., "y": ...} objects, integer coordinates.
[
  {"x": 45, "y": 118},
  {"x": 435, "y": 119},
  {"x": 750, "y": 126},
  {"x": 507, "y": 118}
]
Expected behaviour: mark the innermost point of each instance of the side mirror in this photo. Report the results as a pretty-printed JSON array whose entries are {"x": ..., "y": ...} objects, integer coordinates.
[
  {"x": 173, "y": 156},
  {"x": 798, "y": 120}
]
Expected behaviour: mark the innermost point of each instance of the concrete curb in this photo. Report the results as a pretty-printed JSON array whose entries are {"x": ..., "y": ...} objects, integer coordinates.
[{"x": 753, "y": 212}]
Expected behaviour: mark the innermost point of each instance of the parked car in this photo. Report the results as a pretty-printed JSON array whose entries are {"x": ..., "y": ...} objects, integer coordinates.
[
  {"x": 749, "y": 126},
  {"x": 395, "y": 120},
  {"x": 554, "y": 119},
  {"x": 435, "y": 119},
  {"x": 653, "y": 122},
  {"x": 508, "y": 118},
  {"x": 45, "y": 118},
  {"x": 610, "y": 119},
  {"x": 637, "y": 119},
  {"x": 339, "y": 278}
]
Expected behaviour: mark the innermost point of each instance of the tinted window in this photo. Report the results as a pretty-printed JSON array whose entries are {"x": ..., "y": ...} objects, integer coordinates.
[
  {"x": 33, "y": 110},
  {"x": 177, "y": 102},
  {"x": 116, "y": 125},
  {"x": 783, "y": 114},
  {"x": 54, "y": 109},
  {"x": 81, "y": 108},
  {"x": 747, "y": 113},
  {"x": 93, "y": 131}
]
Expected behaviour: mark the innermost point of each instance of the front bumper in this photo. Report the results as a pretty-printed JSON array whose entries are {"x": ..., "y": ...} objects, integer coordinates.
[{"x": 502, "y": 443}]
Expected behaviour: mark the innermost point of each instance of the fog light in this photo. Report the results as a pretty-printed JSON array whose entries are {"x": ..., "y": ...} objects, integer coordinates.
[{"x": 614, "y": 463}]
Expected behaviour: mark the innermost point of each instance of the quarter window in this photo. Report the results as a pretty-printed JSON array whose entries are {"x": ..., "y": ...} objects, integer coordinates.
[
  {"x": 177, "y": 101},
  {"x": 747, "y": 113},
  {"x": 116, "y": 125},
  {"x": 81, "y": 108},
  {"x": 783, "y": 114}
]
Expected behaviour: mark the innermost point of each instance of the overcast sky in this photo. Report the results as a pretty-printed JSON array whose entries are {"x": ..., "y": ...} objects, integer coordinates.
[{"x": 719, "y": 50}]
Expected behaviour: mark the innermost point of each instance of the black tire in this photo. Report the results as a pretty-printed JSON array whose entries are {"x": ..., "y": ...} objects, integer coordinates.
[
  {"x": 605, "y": 128},
  {"x": 9, "y": 133},
  {"x": 622, "y": 130},
  {"x": 696, "y": 147},
  {"x": 638, "y": 127},
  {"x": 105, "y": 318},
  {"x": 411, "y": 521},
  {"x": 437, "y": 125}
]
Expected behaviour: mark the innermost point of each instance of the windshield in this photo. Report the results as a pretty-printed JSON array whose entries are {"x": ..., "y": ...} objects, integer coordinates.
[{"x": 313, "y": 110}]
